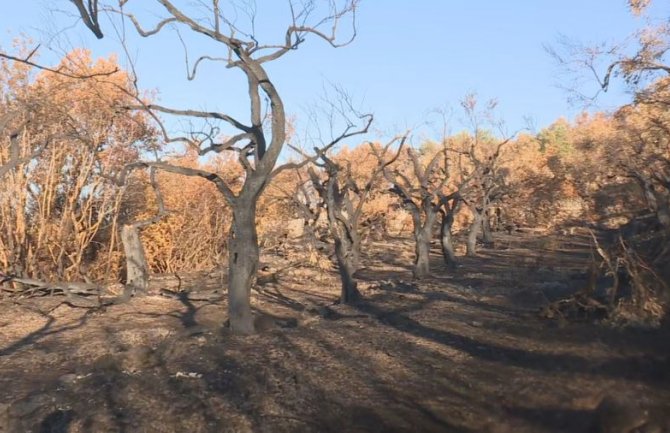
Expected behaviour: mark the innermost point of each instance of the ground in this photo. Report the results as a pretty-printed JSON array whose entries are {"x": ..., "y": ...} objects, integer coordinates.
[{"x": 462, "y": 351}]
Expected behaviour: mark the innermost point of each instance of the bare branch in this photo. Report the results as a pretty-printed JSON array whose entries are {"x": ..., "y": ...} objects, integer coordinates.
[
  {"x": 60, "y": 70},
  {"x": 89, "y": 16},
  {"x": 321, "y": 151}
]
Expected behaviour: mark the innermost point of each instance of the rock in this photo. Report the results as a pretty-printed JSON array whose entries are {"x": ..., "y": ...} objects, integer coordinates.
[{"x": 68, "y": 379}]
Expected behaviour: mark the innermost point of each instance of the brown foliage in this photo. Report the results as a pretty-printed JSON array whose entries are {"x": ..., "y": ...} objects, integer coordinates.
[
  {"x": 57, "y": 211},
  {"x": 193, "y": 236}
]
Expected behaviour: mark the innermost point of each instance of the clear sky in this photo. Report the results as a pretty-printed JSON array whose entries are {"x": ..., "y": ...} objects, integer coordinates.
[{"x": 409, "y": 58}]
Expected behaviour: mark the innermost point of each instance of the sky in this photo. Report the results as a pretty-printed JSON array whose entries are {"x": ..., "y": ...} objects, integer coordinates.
[{"x": 409, "y": 58}]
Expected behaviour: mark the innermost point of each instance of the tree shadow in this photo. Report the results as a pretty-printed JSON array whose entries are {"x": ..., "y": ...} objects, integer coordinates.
[
  {"x": 649, "y": 370},
  {"x": 44, "y": 331},
  {"x": 57, "y": 421},
  {"x": 562, "y": 420}
]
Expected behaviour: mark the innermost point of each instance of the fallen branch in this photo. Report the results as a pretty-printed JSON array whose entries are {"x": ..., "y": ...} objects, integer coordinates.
[{"x": 77, "y": 291}]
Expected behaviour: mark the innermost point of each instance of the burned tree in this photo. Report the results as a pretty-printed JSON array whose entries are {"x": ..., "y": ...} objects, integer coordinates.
[
  {"x": 257, "y": 142},
  {"x": 487, "y": 188},
  {"x": 450, "y": 205},
  {"x": 89, "y": 14},
  {"x": 344, "y": 200},
  {"x": 421, "y": 195},
  {"x": 137, "y": 268},
  {"x": 295, "y": 189},
  {"x": 480, "y": 164}
]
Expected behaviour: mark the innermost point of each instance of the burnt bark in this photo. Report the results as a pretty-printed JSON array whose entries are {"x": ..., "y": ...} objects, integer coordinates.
[
  {"x": 343, "y": 226},
  {"x": 258, "y": 142},
  {"x": 451, "y": 204},
  {"x": 422, "y": 197},
  {"x": 243, "y": 258},
  {"x": 446, "y": 239},
  {"x": 137, "y": 268},
  {"x": 423, "y": 234},
  {"x": 346, "y": 267},
  {"x": 487, "y": 231},
  {"x": 473, "y": 234},
  {"x": 422, "y": 255},
  {"x": 344, "y": 201}
]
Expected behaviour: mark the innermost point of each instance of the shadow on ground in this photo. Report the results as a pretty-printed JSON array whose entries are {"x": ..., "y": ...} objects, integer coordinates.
[{"x": 456, "y": 352}]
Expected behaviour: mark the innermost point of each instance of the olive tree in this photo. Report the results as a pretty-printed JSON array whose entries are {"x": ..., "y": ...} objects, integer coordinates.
[
  {"x": 257, "y": 141},
  {"x": 419, "y": 189},
  {"x": 344, "y": 200}
]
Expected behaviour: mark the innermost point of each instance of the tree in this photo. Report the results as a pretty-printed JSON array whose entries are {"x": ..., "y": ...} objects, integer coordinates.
[
  {"x": 644, "y": 150},
  {"x": 639, "y": 60},
  {"x": 450, "y": 206},
  {"x": 344, "y": 200},
  {"x": 484, "y": 178},
  {"x": 257, "y": 143},
  {"x": 421, "y": 195},
  {"x": 643, "y": 64},
  {"x": 58, "y": 201},
  {"x": 15, "y": 117}
]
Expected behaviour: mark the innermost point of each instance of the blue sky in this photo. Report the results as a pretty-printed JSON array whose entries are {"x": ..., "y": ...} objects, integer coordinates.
[{"x": 409, "y": 58}]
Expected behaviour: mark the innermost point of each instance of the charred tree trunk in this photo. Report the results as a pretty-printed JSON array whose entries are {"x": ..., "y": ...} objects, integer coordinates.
[
  {"x": 344, "y": 253},
  {"x": 243, "y": 257},
  {"x": 422, "y": 258},
  {"x": 473, "y": 234},
  {"x": 257, "y": 148},
  {"x": 446, "y": 239},
  {"x": 137, "y": 269},
  {"x": 423, "y": 234},
  {"x": 355, "y": 247},
  {"x": 347, "y": 241},
  {"x": 487, "y": 231}
]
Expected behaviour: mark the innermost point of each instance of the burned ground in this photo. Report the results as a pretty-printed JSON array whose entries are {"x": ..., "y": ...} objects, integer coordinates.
[{"x": 461, "y": 351}]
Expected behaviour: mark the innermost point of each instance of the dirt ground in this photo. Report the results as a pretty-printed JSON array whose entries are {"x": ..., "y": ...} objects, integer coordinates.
[{"x": 463, "y": 351}]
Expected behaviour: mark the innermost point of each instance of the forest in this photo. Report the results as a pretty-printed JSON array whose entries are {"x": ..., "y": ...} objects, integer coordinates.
[{"x": 179, "y": 269}]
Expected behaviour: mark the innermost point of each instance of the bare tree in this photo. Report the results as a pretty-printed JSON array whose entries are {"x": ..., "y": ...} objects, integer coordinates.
[
  {"x": 488, "y": 187},
  {"x": 421, "y": 195},
  {"x": 89, "y": 14},
  {"x": 344, "y": 200},
  {"x": 639, "y": 59},
  {"x": 483, "y": 181},
  {"x": 450, "y": 206},
  {"x": 450, "y": 203},
  {"x": 257, "y": 143},
  {"x": 303, "y": 200},
  {"x": 137, "y": 268}
]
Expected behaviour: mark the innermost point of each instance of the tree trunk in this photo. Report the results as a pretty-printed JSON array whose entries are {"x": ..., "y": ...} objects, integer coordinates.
[
  {"x": 355, "y": 249},
  {"x": 446, "y": 240},
  {"x": 487, "y": 231},
  {"x": 137, "y": 269},
  {"x": 345, "y": 261},
  {"x": 473, "y": 234},
  {"x": 422, "y": 248},
  {"x": 243, "y": 257}
]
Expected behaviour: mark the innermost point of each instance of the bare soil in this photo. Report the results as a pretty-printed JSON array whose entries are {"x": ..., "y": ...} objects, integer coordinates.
[{"x": 462, "y": 351}]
